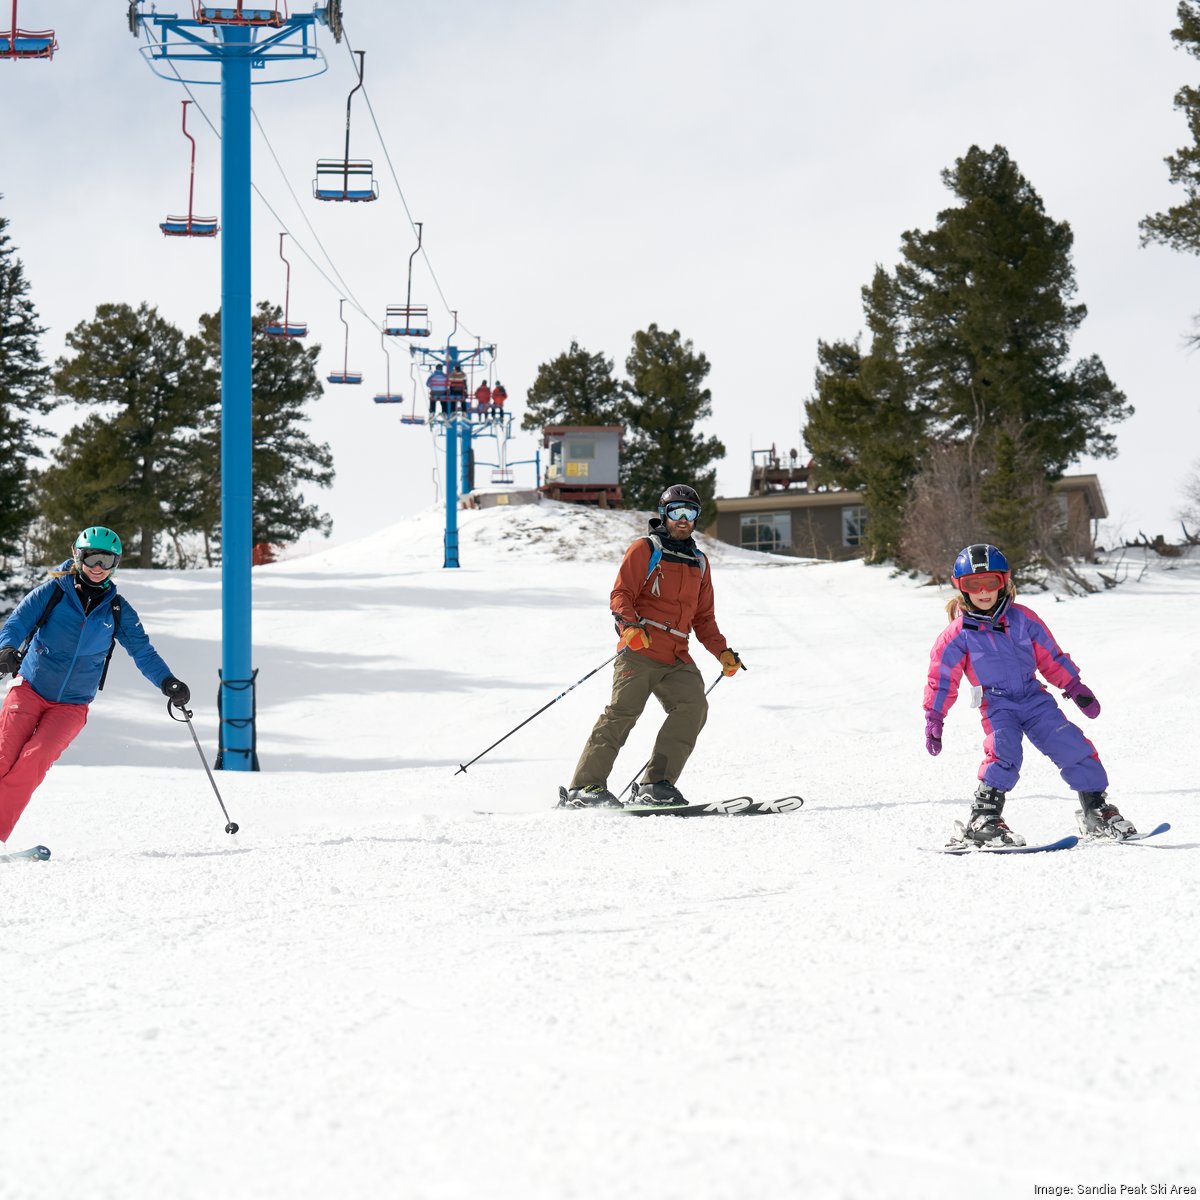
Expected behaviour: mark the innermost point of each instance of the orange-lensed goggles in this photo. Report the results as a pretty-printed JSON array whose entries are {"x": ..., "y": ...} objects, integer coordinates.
[{"x": 988, "y": 581}]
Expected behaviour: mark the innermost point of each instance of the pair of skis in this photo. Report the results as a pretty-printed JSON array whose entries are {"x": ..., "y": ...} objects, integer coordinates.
[
  {"x": 1063, "y": 843},
  {"x": 736, "y": 806}
]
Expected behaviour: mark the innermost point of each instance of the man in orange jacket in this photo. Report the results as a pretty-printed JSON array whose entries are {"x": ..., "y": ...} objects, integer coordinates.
[{"x": 662, "y": 594}]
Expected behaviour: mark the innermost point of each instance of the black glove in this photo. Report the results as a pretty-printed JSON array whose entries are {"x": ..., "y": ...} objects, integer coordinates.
[
  {"x": 10, "y": 661},
  {"x": 176, "y": 691}
]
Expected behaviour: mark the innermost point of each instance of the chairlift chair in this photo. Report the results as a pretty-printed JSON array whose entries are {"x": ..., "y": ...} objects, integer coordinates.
[
  {"x": 337, "y": 179},
  {"x": 191, "y": 225},
  {"x": 411, "y": 418},
  {"x": 239, "y": 14},
  {"x": 345, "y": 375},
  {"x": 387, "y": 396},
  {"x": 26, "y": 43},
  {"x": 288, "y": 328},
  {"x": 334, "y": 175},
  {"x": 409, "y": 319}
]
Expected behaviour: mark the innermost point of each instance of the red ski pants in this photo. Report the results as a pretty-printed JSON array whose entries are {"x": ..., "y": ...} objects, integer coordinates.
[{"x": 33, "y": 733}]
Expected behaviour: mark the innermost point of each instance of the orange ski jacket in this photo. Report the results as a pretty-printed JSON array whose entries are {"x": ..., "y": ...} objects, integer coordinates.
[{"x": 673, "y": 599}]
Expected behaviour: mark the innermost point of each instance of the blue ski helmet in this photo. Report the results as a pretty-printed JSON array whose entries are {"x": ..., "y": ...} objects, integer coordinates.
[{"x": 980, "y": 559}]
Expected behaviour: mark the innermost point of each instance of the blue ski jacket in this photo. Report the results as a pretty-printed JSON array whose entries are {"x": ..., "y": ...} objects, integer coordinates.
[{"x": 66, "y": 658}]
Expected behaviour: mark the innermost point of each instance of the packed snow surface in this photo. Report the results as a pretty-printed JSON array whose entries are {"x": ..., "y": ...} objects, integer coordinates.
[{"x": 376, "y": 990}]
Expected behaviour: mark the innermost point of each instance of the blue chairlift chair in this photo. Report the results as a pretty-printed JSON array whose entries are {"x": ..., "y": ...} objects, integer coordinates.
[
  {"x": 345, "y": 375},
  {"x": 334, "y": 175},
  {"x": 286, "y": 328},
  {"x": 345, "y": 179},
  {"x": 387, "y": 396},
  {"x": 409, "y": 319}
]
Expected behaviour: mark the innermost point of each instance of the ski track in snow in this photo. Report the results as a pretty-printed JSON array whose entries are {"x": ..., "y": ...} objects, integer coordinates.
[{"x": 373, "y": 990}]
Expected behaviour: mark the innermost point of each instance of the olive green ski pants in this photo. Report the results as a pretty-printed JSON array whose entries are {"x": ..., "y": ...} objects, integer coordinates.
[{"x": 679, "y": 688}]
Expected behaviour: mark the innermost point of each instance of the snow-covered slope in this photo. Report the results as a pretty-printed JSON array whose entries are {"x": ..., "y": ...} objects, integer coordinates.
[{"x": 374, "y": 990}]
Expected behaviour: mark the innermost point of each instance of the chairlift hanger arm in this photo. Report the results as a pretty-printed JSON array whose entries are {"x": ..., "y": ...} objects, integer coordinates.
[
  {"x": 362, "y": 54},
  {"x": 420, "y": 226}
]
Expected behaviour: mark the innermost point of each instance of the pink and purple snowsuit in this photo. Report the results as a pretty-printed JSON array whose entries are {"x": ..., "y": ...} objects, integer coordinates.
[{"x": 1002, "y": 656}]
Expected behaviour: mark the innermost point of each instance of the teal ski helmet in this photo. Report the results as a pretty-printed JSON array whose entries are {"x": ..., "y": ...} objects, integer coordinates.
[{"x": 97, "y": 539}]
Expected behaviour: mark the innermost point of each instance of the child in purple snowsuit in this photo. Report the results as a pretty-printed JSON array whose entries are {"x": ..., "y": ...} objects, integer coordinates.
[{"x": 1001, "y": 646}]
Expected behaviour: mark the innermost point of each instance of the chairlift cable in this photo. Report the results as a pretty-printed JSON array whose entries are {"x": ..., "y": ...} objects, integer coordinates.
[
  {"x": 396, "y": 181},
  {"x": 344, "y": 287},
  {"x": 341, "y": 287}
]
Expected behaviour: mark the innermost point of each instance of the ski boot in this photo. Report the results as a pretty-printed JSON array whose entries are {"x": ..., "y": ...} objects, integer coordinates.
[
  {"x": 592, "y": 795},
  {"x": 658, "y": 795},
  {"x": 1098, "y": 819},
  {"x": 986, "y": 827}
]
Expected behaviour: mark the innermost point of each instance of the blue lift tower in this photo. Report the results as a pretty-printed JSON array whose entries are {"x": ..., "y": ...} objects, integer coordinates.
[
  {"x": 225, "y": 43},
  {"x": 451, "y": 413}
]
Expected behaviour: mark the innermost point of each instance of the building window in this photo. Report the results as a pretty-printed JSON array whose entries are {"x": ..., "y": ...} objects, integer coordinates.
[
  {"x": 769, "y": 532},
  {"x": 578, "y": 450},
  {"x": 854, "y": 525}
]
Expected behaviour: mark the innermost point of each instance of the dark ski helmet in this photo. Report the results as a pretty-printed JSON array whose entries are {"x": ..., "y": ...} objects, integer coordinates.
[
  {"x": 980, "y": 559},
  {"x": 678, "y": 493},
  {"x": 96, "y": 539}
]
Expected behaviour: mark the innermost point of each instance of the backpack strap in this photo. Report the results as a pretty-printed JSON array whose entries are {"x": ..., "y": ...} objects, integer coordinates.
[
  {"x": 656, "y": 554},
  {"x": 56, "y": 594},
  {"x": 116, "y": 615}
]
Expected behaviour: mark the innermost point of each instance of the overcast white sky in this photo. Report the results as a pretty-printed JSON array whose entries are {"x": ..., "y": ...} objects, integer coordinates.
[{"x": 583, "y": 170}]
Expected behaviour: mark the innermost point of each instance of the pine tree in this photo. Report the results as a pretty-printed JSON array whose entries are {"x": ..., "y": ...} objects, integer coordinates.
[
  {"x": 118, "y": 467},
  {"x": 665, "y": 401},
  {"x": 985, "y": 295},
  {"x": 24, "y": 384},
  {"x": 838, "y": 417},
  {"x": 863, "y": 427},
  {"x": 1179, "y": 226},
  {"x": 970, "y": 343},
  {"x": 576, "y": 388}
]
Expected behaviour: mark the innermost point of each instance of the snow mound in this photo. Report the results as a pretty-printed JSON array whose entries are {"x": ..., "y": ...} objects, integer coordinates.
[{"x": 549, "y": 531}]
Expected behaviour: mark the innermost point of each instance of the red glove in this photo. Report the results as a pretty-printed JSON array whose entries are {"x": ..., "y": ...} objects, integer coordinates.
[{"x": 635, "y": 637}]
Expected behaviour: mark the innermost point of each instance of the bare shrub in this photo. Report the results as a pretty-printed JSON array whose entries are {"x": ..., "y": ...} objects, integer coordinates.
[{"x": 942, "y": 515}]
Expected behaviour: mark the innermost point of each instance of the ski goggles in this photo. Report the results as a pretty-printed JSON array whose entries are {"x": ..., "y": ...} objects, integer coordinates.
[
  {"x": 682, "y": 511},
  {"x": 988, "y": 581},
  {"x": 98, "y": 558}
]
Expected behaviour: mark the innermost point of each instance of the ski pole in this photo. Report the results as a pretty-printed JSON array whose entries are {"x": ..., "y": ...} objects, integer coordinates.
[
  {"x": 231, "y": 826},
  {"x": 463, "y": 766},
  {"x": 647, "y": 762}
]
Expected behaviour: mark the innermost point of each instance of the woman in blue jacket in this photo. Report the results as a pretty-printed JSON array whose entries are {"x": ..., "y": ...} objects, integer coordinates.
[{"x": 71, "y": 623}]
